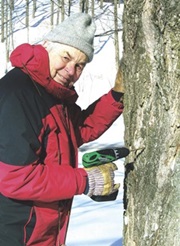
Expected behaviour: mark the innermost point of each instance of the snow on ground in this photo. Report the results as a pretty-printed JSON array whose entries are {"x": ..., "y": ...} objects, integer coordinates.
[
  {"x": 92, "y": 223},
  {"x": 99, "y": 223}
]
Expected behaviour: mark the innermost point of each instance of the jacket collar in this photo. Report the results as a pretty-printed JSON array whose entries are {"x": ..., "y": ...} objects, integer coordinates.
[{"x": 33, "y": 60}]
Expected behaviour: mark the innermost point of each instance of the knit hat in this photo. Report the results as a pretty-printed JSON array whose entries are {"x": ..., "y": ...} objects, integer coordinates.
[{"x": 77, "y": 31}]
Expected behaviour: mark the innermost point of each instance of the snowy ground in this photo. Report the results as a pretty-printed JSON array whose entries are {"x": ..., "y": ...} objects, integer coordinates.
[
  {"x": 91, "y": 223},
  {"x": 99, "y": 223}
]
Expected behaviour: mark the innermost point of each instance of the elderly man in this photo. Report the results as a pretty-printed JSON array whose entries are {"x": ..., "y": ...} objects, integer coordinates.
[{"x": 41, "y": 128}]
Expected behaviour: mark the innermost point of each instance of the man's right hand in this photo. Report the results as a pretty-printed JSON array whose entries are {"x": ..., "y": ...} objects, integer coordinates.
[{"x": 101, "y": 180}]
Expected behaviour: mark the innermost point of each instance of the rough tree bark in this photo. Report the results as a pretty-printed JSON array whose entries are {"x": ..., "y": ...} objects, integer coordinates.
[{"x": 152, "y": 122}]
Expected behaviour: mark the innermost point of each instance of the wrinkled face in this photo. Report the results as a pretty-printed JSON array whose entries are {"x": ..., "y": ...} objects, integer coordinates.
[{"x": 66, "y": 63}]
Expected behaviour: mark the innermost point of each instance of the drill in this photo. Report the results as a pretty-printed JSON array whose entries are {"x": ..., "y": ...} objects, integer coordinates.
[{"x": 100, "y": 157}]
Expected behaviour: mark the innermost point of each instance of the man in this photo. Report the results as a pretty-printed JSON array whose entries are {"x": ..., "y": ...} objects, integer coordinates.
[{"x": 41, "y": 129}]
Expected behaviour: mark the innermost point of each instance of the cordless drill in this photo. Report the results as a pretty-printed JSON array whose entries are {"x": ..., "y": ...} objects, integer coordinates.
[{"x": 100, "y": 157}]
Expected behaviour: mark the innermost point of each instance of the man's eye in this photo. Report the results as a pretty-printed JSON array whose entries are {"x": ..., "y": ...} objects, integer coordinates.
[
  {"x": 79, "y": 67},
  {"x": 65, "y": 58}
]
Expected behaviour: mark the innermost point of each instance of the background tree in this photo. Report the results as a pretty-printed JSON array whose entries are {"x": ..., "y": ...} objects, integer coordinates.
[
  {"x": 10, "y": 19},
  {"x": 116, "y": 36},
  {"x": 7, "y": 28},
  {"x": 101, "y": 4},
  {"x": 152, "y": 122},
  {"x": 27, "y": 18},
  {"x": 14, "y": 19},
  {"x": 69, "y": 7},
  {"x": 83, "y": 6},
  {"x": 52, "y": 14},
  {"x": 34, "y": 8},
  {"x": 2, "y": 21},
  {"x": 11, "y": 3},
  {"x": 92, "y": 8},
  {"x": 62, "y": 12}
]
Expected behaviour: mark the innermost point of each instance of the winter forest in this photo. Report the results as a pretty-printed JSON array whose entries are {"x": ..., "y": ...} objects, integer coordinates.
[{"x": 24, "y": 17}]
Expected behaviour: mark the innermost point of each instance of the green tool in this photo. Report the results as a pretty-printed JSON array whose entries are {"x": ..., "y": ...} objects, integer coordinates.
[{"x": 100, "y": 157}]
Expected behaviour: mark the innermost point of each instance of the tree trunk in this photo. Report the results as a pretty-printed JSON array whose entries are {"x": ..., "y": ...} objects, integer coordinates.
[
  {"x": 69, "y": 7},
  {"x": 101, "y": 4},
  {"x": 63, "y": 10},
  {"x": 7, "y": 36},
  {"x": 92, "y": 8},
  {"x": 152, "y": 122},
  {"x": 34, "y": 8},
  {"x": 52, "y": 14},
  {"x": 116, "y": 38},
  {"x": 2, "y": 21},
  {"x": 27, "y": 19},
  {"x": 11, "y": 38}
]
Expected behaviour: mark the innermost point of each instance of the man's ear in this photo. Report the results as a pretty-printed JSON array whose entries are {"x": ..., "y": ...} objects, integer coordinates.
[
  {"x": 48, "y": 45},
  {"x": 45, "y": 44}
]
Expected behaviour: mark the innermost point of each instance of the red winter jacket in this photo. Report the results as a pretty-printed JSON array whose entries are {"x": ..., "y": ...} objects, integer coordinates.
[{"x": 41, "y": 129}]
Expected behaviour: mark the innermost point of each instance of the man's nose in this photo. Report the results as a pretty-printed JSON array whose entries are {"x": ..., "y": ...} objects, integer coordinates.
[{"x": 71, "y": 69}]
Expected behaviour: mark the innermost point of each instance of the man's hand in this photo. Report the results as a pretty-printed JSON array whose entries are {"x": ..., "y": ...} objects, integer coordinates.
[
  {"x": 119, "y": 85},
  {"x": 101, "y": 180}
]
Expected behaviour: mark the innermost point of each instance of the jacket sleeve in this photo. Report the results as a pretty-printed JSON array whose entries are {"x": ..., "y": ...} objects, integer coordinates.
[
  {"x": 23, "y": 176},
  {"x": 91, "y": 123}
]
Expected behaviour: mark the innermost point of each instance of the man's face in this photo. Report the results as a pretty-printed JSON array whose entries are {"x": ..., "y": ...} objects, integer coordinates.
[{"x": 66, "y": 63}]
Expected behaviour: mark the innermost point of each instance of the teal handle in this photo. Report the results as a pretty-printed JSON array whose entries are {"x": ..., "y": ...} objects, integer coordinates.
[{"x": 97, "y": 158}]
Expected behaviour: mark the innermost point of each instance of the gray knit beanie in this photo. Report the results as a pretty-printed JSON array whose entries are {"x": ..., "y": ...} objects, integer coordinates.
[{"x": 77, "y": 31}]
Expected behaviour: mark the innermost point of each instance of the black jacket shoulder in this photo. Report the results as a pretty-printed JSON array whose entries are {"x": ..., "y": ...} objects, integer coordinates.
[{"x": 18, "y": 83}]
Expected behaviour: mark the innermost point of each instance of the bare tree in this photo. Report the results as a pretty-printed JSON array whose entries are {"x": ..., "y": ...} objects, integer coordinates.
[
  {"x": 81, "y": 5},
  {"x": 116, "y": 38},
  {"x": 52, "y": 14},
  {"x": 69, "y": 7},
  {"x": 2, "y": 21},
  {"x": 87, "y": 6},
  {"x": 11, "y": 4},
  {"x": 152, "y": 122},
  {"x": 84, "y": 6},
  {"x": 92, "y": 8},
  {"x": 58, "y": 11},
  {"x": 34, "y": 8},
  {"x": 11, "y": 8},
  {"x": 62, "y": 10},
  {"x": 27, "y": 18},
  {"x": 7, "y": 29},
  {"x": 101, "y": 4},
  {"x": 27, "y": 13}
]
